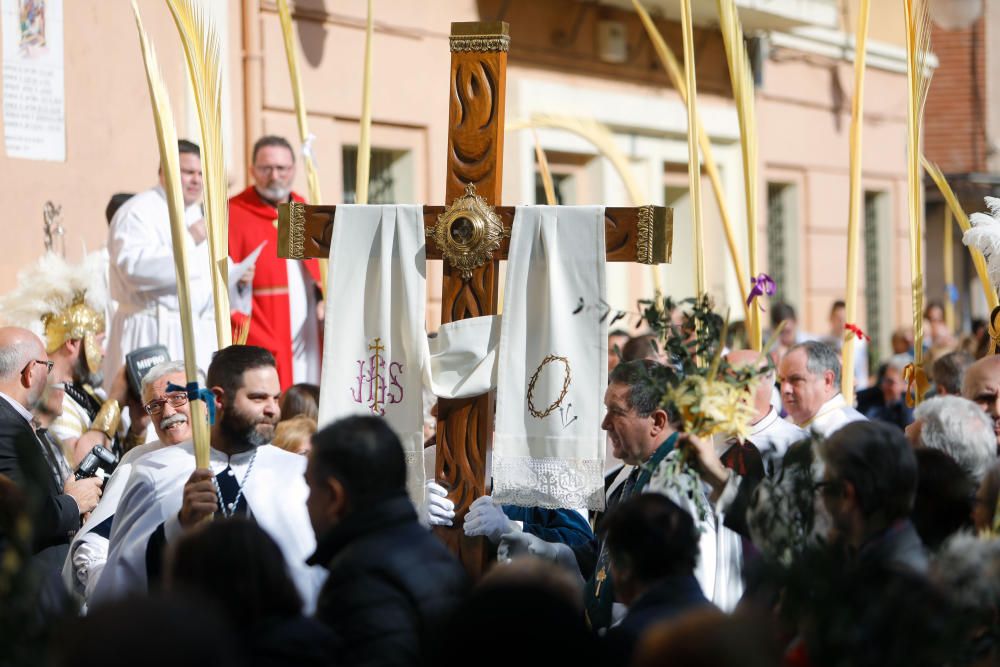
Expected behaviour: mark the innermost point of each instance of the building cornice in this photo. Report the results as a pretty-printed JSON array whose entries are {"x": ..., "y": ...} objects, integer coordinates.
[{"x": 840, "y": 45}]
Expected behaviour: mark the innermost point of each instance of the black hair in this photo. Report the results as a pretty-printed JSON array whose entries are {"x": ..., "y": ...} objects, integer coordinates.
[
  {"x": 230, "y": 363},
  {"x": 780, "y": 312},
  {"x": 943, "y": 502},
  {"x": 185, "y": 146},
  {"x": 115, "y": 203},
  {"x": 878, "y": 461},
  {"x": 651, "y": 536},
  {"x": 645, "y": 379},
  {"x": 252, "y": 587},
  {"x": 364, "y": 454}
]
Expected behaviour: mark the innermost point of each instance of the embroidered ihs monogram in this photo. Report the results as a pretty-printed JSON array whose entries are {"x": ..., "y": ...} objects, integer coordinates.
[{"x": 378, "y": 380}]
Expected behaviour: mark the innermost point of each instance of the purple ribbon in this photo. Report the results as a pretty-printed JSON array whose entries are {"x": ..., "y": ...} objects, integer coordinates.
[{"x": 763, "y": 285}]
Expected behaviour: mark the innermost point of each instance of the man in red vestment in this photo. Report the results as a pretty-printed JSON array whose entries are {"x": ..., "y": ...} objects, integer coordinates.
[{"x": 285, "y": 292}]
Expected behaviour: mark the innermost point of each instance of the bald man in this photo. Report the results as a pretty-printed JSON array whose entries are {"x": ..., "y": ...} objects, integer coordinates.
[
  {"x": 982, "y": 386},
  {"x": 24, "y": 369},
  {"x": 769, "y": 433}
]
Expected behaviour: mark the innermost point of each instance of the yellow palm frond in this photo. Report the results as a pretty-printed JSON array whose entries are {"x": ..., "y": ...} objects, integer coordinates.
[
  {"x": 918, "y": 80},
  {"x": 166, "y": 135},
  {"x": 963, "y": 222},
  {"x": 741, "y": 76},
  {"x": 854, "y": 201},
  {"x": 203, "y": 53},
  {"x": 694, "y": 162},
  {"x": 673, "y": 69}
]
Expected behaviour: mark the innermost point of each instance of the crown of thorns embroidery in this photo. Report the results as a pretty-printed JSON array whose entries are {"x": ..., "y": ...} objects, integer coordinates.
[{"x": 567, "y": 379}]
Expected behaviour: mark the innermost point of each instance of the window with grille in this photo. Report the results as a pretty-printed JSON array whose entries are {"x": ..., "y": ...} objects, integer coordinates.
[
  {"x": 387, "y": 171},
  {"x": 874, "y": 219},
  {"x": 778, "y": 214}
]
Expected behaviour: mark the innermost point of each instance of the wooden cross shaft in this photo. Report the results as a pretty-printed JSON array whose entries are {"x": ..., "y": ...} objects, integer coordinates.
[{"x": 477, "y": 93}]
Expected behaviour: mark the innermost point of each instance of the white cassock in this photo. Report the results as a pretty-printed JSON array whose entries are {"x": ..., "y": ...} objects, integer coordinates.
[
  {"x": 306, "y": 358},
  {"x": 88, "y": 551},
  {"x": 720, "y": 550},
  {"x": 144, "y": 283},
  {"x": 772, "y": 436},
  {"x": 275, "y": 491},
  {"x": 831, "y": 416}
]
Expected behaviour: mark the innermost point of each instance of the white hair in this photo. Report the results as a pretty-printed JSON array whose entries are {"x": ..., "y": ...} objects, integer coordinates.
[
  {"x": 959, "y": 428},
  {"x": 158, "y": 371},
  {"x": 968, "y": 568}
]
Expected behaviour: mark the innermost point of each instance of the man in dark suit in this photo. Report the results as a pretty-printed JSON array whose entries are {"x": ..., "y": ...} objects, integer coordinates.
[{"x": 56, "y": 512}]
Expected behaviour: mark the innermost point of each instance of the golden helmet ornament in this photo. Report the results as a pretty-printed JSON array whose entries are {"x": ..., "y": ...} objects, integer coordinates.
[{"x": 60, "y": 301}]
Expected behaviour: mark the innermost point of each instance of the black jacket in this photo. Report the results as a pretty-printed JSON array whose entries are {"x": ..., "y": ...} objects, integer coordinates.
[
  {"x": 392, "y": 584},
  {"x": 668, "y": 599},
  {"x": 55, "y": 515}
]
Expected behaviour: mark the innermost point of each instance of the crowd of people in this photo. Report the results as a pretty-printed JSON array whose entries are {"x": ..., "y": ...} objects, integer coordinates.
[{"x": 829, "y": 533}]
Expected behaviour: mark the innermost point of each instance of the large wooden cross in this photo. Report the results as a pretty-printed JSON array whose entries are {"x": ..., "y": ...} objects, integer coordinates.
[{"x": 477, "y": 88}]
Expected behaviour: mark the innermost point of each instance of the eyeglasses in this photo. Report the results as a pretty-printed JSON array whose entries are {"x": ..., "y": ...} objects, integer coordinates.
[
  {"x": 176, "y": 400},
  {"x": 48, "y": 365},
  {"x": 280, "y": 170}
]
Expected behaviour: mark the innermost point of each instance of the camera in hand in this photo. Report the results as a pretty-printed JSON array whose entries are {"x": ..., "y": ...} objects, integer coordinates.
[{"x": 99, "y": 458}]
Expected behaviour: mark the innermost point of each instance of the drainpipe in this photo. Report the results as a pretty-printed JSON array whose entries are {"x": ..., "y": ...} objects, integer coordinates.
[{"x": 252, "y": 78}]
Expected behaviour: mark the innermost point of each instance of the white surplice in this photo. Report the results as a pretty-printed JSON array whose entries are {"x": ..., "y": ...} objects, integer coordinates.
[
  {"x": 831, "y": 416},
  {"x": 275, "y": 491},
  {"x": 88, "y": 551},
  {"x": 548, "y": 450},
  {"x": 304, "y": 327},
  {"x": 144, "y": 283},
  {"x": 720, "y": 550}
]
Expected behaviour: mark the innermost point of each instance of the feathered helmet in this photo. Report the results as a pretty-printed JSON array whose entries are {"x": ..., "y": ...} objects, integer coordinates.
[
  {"x": 984, "y": 236},
  {"x": 60, "y": 301}
]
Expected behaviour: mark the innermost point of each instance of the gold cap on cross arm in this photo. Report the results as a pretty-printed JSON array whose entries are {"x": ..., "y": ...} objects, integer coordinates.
[{"x": 479, "y": 36}]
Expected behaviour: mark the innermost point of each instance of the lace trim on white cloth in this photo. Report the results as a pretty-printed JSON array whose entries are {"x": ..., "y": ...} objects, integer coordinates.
[
  {"x": 549, "y": 483},
  {"x": 415, "y": 476}
]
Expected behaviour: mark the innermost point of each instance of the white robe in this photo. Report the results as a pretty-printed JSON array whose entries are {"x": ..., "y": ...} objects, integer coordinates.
[
  {"x": 772, "y": 436},
  {"x": 832, "y": 415},
  {"x": 720, "y": 551},
  {"x": 88, "y": 551},
  {"x": 275, "y": 492},
  {"x": 144, "y": 283}
]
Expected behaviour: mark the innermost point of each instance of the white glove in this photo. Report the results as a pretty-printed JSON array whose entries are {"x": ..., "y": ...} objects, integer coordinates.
[
  {"x": 486, "y": 518},
  {"x": 517, "y": 544},
  {"x": 440, "y": 510}
]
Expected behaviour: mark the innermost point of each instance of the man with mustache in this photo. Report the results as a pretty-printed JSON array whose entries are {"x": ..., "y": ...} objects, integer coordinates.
[
  {"x": 170, "y": 413},
  {"x": 247, "y": 476},
  {"x": 982, "y": 387},
  {"x": 285, "y": 292}
]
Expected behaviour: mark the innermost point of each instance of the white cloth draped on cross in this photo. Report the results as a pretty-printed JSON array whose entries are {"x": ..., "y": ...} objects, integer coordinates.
[
  {"x": 375, "y": 345},
  {"x": 548, "y": 447}
]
